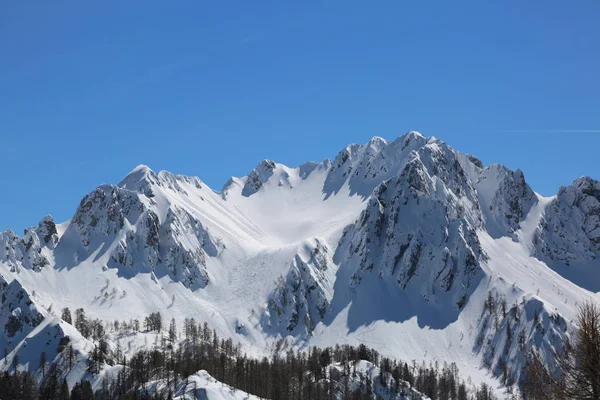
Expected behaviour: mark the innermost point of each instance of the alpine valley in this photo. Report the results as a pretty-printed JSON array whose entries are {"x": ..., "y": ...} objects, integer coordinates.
[{"x": 409, "y": 247}]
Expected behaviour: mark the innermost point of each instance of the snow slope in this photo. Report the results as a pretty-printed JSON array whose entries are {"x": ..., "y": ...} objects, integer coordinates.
[
  {"x": 202, "y": 386},
  {"x": 393, "y": 244}
]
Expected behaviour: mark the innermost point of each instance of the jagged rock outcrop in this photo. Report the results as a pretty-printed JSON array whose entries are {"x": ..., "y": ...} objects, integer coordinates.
[
  {"x": 144, "y": 181},
  {"x": 186, "y": 244},
  {"x": 31, "y": 251},
  {"x": 28, "y": 331},
  {"x": 102, "y": 214},
  {"x": 18, "y": 314},
  {"x": 46, "y": 231},
  {"x": 505, "y": 199},
  {"x": 126, "y": 224},
  {"x": 302, "y": 298},
  {"x": 507, "y": 333},
  {"x": 570, "y": 229},
  {"x": 138, "y": 248},
  {"x": 258, "y": 177},
  {"x": 364, "y": 167}
]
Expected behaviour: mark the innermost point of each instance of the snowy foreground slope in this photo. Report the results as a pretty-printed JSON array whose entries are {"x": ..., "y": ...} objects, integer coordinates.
[
  {"x": 202, "y": 386},
  {"x": 409, "y": 246}
]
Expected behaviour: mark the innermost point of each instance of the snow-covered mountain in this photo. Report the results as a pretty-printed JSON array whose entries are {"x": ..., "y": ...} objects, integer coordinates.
[{"x": 409, "y": 246}]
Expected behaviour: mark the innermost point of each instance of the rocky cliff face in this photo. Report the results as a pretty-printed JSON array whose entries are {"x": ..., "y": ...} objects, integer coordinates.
[
  {"x": 33, "y": 250},
  {"x": 505, "y": 199},
  {"x": 186, "y": 244},
  {"x": 364, "y": 167},
  {"x": 418, "y": 229},
  {"x": 256, "y": 178},
  {"x": 18, "y": 314},
  {"x": 123, "y": 222},
  {"x": 302, "y": 297},
  {"x": 570, "y": 229},
  {"x": 506, "y": 333},
  {"x": 102, "y": 214}
]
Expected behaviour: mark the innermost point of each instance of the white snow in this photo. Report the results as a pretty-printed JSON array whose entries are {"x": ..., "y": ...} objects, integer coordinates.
[{"x": 202, "y": 386}]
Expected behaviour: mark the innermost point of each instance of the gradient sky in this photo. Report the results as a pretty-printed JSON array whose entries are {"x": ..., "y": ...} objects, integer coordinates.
[{"x": 90, "y": 89}]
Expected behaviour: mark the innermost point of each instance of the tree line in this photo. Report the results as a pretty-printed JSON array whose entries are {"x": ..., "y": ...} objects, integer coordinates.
[
  {"x": 317, "y": 373},
  {"x": 314, "y": 374},
  {"x": 296, "y": 375}
]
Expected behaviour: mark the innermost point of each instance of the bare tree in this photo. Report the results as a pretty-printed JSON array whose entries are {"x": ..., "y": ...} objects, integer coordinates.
[
  {"x": 582, "y": 365},
  {"x": 538, "y": 383},
  {"x": 579, "y": 377}
]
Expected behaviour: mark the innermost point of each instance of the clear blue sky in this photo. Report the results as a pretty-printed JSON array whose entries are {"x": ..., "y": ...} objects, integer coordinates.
[{"x": 90, "y": 89}]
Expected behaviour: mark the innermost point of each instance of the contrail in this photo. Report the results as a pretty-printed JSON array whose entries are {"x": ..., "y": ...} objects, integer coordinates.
[{"x": 545, "y": 131}]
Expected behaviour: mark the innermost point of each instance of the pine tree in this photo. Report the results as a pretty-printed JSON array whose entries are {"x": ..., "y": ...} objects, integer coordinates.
[
  {"x": 66, "y": 315},
  {"x": 172, "y": 331},
  {"x": 64, "y": 391},
  {"x": 462, "y": 392},
  {"x": 81, "y": 323},
  {"x": 490, "y": 303},
  {"x": 71, "y": 356},
  {"x": 29, "y": 390},
  {"x": 15, "y": 363},
  {"x": 82, "y": 391},
  {"x": 43, "y": 363},
  {"x": 50, "y": 389}
]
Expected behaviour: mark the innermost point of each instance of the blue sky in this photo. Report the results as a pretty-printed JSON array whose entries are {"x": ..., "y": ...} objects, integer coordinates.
[{"x": 89, "y": 90}]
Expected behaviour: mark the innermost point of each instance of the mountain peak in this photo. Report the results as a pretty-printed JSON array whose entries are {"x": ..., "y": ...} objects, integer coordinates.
[
  {"x": 258, "y": 177},
  {"x": 414, "y": 135},
  {"x": 588, "y": 186},
  {"x": 141, "y": 168},
  {"x": 140, "y": 179},
  {"x": 412, "y": 140},
  {"x": 378, "y": 141},
  {"x": 135, "y": 176}
]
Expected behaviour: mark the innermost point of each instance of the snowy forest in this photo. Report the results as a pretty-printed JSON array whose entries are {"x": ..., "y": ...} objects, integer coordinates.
[{"x": 340, "y": 372}]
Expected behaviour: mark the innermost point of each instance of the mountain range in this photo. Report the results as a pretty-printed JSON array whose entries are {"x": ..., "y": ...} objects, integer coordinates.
[{"x": 410, "y": 247}]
